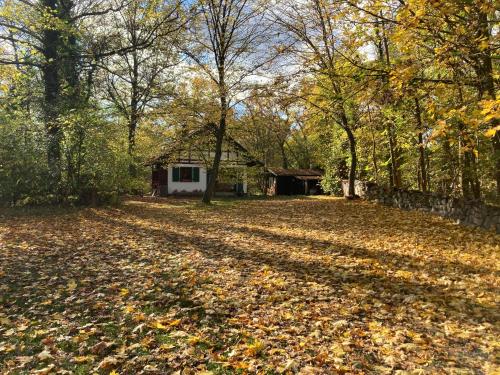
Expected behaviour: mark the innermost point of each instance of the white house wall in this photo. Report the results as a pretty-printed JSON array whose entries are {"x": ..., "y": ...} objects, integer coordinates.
[{"x": 187, "y": 187}]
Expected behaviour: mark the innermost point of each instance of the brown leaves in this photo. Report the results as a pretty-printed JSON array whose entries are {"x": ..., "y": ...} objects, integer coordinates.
[{"x": 295, "y": 286}]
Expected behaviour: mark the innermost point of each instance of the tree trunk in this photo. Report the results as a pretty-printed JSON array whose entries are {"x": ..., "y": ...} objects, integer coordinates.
[
  {"x": 220, "y": 132},
  {"x": 487, "y": 85},
  {"x": 354, "y": 163},
  {"x": 354, "y": 158},
  {"x": 476, "y": 184},
  {"x": 395, "y": 173},
  {"x": 471, "y": 186},
  {"x": 374, "y": 148},
  {"x": 467, "y": 177},
  {"x": 51, "y": 81},
  {"x": 284, "y": 157},
  {"x": 421, "y": 147},
  {"x": 212, "y": 182},
  {"x": 71, "y": 100},
  {"x": 134, "y": 113}
]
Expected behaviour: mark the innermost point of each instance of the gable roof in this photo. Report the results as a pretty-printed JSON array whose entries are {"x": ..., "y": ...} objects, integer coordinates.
[
  {"x": 201, "y": 137},
  {"x": 296, "y": 172}
]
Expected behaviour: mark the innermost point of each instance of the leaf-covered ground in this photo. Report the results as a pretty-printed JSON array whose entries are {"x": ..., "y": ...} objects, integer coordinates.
[{"x": 310, "y": 286}]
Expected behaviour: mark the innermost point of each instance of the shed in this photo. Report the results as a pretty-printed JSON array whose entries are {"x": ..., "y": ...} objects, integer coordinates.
[{"x": 294, "y": 181}]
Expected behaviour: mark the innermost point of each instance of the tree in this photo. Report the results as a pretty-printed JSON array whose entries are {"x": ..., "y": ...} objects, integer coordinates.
[
  {"x": 45, "y": 34},
  {"x": 315, "y": 25},
  {"x": 224, "y": 43},
  {"x": 143, "y": 77},
  {"x": 454, "y": 46},
  {"x": 267, "y": 124}
]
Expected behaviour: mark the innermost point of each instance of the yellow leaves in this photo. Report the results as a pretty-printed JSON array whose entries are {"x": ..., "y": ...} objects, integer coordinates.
[
  {"x": 255, "y": 348},
  {"x": 484, "y": 45},
  {"x": 419, "y": 12},
  {"x": 490, "y": 112},
  {"x": 99, "y": 305},
  {"x": 5, "y": 321},
  {"x": 7, "y": 348},
  {"x": 490, "y": 133},
  {"x": 71, "y": 286},
  {"x": 147, "y": 342},
  {"x": 83, "y": 359},
  {"x": 166, "y": 347},
  {"x": 290, "y": 365},
  {"x": 124, "y": 292},
  {"x": 379, "y": 333},
  {"x": 374, "y": 326},
  {"x": 139, "y": 317},
  {"x": 39, "y": 332},
  {"x": 162, "y": 325},
  {"x": 114, "y": 372},
  {"x": 400, "y": 76},
  {"x": 175, "y": 323},
  {"x": 342, "y": 293},
  {"x": 44, "y": 355},
  {"x": 194, "y": 340},
  {"x": 241, "y": 366},
  {"x": 467, "y": 121},
  {"x": 158, "y": 325},
  {"x": 337, "y": 350},
  {"x": 403, "y": 274},
  {"x": 108, "y": 363}
]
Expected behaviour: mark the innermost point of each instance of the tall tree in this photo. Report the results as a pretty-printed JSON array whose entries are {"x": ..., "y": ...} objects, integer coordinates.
[
  {"x": 315, "y": 25},
  {"x": 44, "y": 34},
  {"x": 142, "y": 77},
  {"x": 227, "y": 44}
]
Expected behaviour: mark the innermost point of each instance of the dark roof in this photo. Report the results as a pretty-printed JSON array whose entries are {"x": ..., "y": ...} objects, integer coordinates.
[{"x": 295, "y": 172}]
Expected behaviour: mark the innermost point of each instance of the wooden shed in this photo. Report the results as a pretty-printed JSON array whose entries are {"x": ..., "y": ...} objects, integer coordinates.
[{"x": 294, "y": 181}]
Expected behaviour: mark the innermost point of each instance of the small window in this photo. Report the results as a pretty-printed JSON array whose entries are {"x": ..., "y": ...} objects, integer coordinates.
[{"x": 186, "y": 174}]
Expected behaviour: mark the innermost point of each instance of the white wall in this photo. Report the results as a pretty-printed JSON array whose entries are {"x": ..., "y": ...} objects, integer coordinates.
[{"x": 187, "y": 187}]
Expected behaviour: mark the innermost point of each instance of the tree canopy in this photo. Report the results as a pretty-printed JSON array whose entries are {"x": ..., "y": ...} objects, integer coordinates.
[{"x": 399, "y": 92}]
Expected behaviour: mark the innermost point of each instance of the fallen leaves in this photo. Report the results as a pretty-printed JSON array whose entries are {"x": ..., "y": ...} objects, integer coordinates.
[
  {"x": 308, "y": 286},
  {"x": 107, "y": 363},
  {"x": 255, "y": 348},
  {"x": 72, "y": 285},
  {"x": 45, "y": 355}
]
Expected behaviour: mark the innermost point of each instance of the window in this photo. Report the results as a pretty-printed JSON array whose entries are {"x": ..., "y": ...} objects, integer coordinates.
[{"x": 186, "y": 174}]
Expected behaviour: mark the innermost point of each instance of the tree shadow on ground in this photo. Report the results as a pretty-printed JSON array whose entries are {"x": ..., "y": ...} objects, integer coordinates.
[
  {"x": 431, "y": 266},
  {"x": 390, "y": 290},
  {"x": 237, "y": 239}
]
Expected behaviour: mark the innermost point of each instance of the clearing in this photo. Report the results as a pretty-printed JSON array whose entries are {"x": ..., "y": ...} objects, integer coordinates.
[{"x": 310, "y": 285}]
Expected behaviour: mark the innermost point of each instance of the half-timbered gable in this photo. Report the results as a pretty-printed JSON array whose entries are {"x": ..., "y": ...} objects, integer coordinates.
[{"x": 184, "y": 166}]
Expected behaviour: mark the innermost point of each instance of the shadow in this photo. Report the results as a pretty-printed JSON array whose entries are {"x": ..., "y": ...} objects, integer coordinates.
[
  {"x": 127, "y": 246},
  {"x": 390, "y": 290},
  {"x": 431, "y": 266}
]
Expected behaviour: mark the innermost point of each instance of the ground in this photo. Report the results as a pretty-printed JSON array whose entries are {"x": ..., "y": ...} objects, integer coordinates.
[{"x": 310, "y": 286}]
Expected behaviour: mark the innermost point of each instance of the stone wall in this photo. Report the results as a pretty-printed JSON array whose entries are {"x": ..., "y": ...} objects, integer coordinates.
[{"x": 473, "y": 213}]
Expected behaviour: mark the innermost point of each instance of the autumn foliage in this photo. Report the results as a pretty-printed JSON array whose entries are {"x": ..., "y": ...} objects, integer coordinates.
[{"x": 309, "y": 286}]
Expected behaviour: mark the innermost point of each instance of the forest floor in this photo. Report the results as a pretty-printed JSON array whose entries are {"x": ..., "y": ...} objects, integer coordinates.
[{"x": 309, "y": 286}]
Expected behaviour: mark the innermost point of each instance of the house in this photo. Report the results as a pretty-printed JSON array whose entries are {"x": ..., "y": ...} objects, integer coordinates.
[
  {"x": 294, "y": 181},
  {"x": 183, "y": 167}
]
